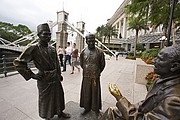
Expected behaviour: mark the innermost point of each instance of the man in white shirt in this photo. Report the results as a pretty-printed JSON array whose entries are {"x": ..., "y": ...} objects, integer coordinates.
[
  {"x": 60, "y": 52},
  {"x": 67, "y": 56}
]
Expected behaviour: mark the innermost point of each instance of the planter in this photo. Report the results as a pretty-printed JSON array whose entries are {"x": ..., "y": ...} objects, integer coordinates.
[{"x": 142, "y": 69}]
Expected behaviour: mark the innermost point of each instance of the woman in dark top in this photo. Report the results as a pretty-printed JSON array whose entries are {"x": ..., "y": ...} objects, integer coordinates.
[{"x": 74, "y": 57}]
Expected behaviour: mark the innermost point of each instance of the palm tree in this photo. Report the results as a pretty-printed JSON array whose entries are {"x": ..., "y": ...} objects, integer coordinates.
[
  {"x": 155, "y": 11},
  {"x": 136, "y": 24},
  {"x": 106, "y": 31},
  {"x": 110, "y": 31},
  {"x": 100, "y": 32}
]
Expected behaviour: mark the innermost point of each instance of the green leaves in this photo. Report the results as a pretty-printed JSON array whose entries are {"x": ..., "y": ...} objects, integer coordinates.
[
  {"x": 155, "y": 11},
  {"x": 10, "y": 32}
]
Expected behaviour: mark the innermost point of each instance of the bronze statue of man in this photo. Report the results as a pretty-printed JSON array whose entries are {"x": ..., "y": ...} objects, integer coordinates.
[
  {"x": 163, "y": 99},
  {"x": 92, "y": 61},
  {"x": 51, "y": 94}
]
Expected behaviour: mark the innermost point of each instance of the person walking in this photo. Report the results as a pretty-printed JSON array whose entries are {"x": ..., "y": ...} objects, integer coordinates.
[
  {"x": 67, "y": 56},
  {"x": 92, "y": 61},
  {"x": 60, "y": 52},
  {"x": 74, "y": 58},
  {"x": 51, "y": 94}
]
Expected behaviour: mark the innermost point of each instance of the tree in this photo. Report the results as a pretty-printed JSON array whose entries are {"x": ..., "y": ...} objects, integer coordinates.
[
  {"x": 100, "y": 32},
  {"x": 109, "y": 32},
  {"x": 157, "y": 12},
  {"x": 11, "y": 33},
  {"x": 140, "y": 8},
  {"x": 106, "y": 31},
  {"x": 137, "y": 24}
]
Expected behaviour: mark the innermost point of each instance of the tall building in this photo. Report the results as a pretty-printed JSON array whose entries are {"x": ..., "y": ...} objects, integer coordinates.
[{"x": 150, "y": 39}]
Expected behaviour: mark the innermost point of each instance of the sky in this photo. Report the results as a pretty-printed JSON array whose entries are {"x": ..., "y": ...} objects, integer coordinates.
[{"x": 34, "y": 12}]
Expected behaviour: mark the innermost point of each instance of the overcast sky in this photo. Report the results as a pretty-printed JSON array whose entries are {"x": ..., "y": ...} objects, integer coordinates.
[{"x": 33, "y": 12}]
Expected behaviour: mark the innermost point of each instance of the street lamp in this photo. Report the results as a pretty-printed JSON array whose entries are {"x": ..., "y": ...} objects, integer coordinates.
[{"x": 170, "y": 22}]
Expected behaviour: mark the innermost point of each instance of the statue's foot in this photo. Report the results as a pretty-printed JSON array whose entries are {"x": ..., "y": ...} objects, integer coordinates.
[
  {"x": 97, "y": 112},
  {"x": 85, "y": 111},
  {"x": 64, "y": 115}
]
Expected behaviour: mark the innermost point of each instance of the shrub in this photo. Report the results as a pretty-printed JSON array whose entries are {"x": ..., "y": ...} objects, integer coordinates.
[
  {"x": 140, "y": 47},
  {"x": 130, "y": 56},
  {"x": 150, "y": 77},
  {"x": 149, "y": 55}
]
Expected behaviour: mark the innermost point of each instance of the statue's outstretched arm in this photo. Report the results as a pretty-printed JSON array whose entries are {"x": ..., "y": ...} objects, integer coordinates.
[
  {"x": 113, "y": 89},
  {"x": 123, "y": 105}
]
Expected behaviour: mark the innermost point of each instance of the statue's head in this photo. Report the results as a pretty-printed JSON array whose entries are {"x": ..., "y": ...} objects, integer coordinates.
[
  {"x": 43, "y": 31},
  {"x": 90, "y": 40},
  {"x": 167, "y": 62}
]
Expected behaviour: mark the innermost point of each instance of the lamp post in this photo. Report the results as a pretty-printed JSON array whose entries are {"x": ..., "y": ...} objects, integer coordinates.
[{"x": 170, "y": 22}]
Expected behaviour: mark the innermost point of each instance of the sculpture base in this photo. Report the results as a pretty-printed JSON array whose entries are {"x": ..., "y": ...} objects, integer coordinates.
[{"x": 74, "y": 109}]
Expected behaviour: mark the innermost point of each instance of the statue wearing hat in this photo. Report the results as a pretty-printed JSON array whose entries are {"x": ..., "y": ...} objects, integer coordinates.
[{"x": 51, "y": 94}]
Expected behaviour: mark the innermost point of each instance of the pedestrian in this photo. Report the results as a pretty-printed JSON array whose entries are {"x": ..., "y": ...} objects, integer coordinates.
[
  {"x": 67, "y": 56},
  {"x": 51, "y": 94},
  {"x": 92, "y": 61},
  {"x": 60, "y": 52},
  {"x": 74, "y": 58},
  {"x": 162, "y": 101}
]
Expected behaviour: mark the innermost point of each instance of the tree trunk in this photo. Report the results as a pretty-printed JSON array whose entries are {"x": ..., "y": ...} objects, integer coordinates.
[
  {"x": 135, "y": 43},
  {"x": 109, "y": 42}
]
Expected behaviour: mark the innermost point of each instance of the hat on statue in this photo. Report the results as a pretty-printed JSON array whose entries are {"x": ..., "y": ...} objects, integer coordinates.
[
  {"x": 90, "y": 35},
  {"x": 41, "y": 27}
]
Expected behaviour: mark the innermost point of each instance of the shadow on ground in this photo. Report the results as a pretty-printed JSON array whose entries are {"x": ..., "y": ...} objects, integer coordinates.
[{"x": 75, "y": 111}]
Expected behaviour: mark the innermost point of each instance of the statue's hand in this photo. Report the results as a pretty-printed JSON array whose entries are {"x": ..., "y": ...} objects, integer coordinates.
[
  {"x": 61, "y": 78},
  {"x": 37, "y": 76},
  {"x": 115, "y": 91}
]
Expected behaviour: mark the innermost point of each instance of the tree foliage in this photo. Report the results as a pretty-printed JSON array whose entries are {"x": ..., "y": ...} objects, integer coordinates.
[
  {"x": 11, "y": 33},
  {"x": 100, "y": 32},
  {"x": 137, "y": 24},
  {"x": 106, "y": 31},
  {"x": 155, "y": 11}
]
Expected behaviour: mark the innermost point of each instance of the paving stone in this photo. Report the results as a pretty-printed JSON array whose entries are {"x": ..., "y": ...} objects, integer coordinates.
[{"x": 19, "y": 98}]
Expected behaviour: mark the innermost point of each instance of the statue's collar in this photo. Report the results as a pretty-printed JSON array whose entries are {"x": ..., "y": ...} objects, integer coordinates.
[
  {"x": 43, "y": 45},
  {"x": 160, "y": 80}
]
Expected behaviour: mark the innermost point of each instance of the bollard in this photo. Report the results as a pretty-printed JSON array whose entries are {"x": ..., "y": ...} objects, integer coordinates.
[{"x": 4, "y": 66}]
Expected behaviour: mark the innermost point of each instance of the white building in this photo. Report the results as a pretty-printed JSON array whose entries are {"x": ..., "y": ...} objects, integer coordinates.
[{"x": 126, "y": 37}]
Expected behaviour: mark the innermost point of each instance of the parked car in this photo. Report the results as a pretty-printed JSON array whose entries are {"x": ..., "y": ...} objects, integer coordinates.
[{"x": 122, "y": 53}]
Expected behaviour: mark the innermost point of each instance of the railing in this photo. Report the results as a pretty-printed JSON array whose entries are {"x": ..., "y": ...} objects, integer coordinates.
[
  {"x": 6, "y": 65},
  {"x": 14, "y": 48},
  {"x": 84, "y": 37}
]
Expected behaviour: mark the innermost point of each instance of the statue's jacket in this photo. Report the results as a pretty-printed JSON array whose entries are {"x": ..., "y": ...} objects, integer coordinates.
[
  {"x": 161, "y": 103},
  {"x": 51, "y": 94},
  {"x": 92, "y": 63}
]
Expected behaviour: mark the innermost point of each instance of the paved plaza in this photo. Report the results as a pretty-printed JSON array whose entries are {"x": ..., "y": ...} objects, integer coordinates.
[{"x": 19, "y": 98}]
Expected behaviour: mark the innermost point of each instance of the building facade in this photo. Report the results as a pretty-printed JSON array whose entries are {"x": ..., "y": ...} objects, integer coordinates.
[{"x": 150, "y": 39}]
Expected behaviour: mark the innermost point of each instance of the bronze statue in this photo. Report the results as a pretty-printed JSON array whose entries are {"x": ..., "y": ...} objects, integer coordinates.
[
  {"x": 44, "y": 56},
  {"x": 163, "y": 99},
  {"x": 92, "y": 61}
]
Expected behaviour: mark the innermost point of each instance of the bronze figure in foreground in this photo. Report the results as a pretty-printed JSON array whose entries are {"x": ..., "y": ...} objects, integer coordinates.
[
  {"x": 92, "y": 61},
  {"x": 44, "y": 56},
  {"x": 163, "y": 99}
]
